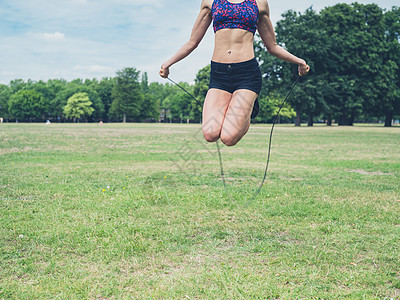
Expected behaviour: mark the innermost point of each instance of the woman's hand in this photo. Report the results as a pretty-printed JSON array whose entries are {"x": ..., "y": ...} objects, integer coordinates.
[
  {"x": 164, "y": 71},
  {"x": 303, "y": 69}
]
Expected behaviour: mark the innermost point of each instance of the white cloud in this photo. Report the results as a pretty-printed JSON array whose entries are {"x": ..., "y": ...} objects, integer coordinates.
[
  {"x": 94, "y": 69},
  {"x": 2, "y": 73},
  {"x": 52, "y": 37}
]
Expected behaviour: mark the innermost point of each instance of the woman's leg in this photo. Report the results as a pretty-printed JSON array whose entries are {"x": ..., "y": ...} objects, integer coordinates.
[
  {"x": 214, "y": 110},
  {"x": 237, "y": 116}
]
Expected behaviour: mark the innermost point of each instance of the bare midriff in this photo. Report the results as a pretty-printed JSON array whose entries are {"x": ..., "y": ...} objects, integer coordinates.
[{"x": 233, "y": 46}]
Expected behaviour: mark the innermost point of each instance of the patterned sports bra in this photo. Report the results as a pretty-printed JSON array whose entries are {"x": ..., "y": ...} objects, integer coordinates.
[{"x": 243, "y": 15}]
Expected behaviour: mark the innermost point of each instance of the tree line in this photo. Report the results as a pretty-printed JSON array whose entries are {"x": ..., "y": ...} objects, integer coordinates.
[
  {"x": 88, "y": 100},
  {"x": 126, "y": 97},
  {"x": 353, "y": 51}
]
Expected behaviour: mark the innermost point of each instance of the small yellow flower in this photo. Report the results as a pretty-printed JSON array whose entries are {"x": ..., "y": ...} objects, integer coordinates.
[
  {"x": 104, "y": 190},
  {"x": 124, "y": 188},
  {"x": 165, "y": 177}
]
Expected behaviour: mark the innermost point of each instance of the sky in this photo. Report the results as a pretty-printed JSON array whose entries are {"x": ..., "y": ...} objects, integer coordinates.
[{"x": 70, "y": 39}]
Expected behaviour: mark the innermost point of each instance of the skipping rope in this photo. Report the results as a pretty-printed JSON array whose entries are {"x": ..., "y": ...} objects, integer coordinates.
[{"x": 269, "y": 144}]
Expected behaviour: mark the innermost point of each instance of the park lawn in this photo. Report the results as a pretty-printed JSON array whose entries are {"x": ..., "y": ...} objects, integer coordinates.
[{"x": 140, "y": 211}]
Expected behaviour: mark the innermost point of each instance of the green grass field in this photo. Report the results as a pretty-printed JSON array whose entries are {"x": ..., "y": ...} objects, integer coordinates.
[{"x": 140, "y": 211}]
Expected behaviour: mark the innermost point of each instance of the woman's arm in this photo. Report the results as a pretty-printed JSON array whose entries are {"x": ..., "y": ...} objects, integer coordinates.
[
  {"x": 267, "y": 34},
  {"x": 200, "y": 27}
]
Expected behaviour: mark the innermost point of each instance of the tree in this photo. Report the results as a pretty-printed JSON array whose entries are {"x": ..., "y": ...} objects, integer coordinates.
[
  {"x": 158, "y": 93},
  {"x": 127, "y": 94},
  {"x": 302, "y": 35},
  {"x": 74, "y": 87},
  {"x": 17, "y": 85},
  {"x": 150, "y": 108},
  {"x": 26, "y": 105},
  {"x": 200, "y": 90},
  {"x": 104, "y": 90},
  {"x": 145, "y": 83},
  {"x": 178, "y": 103},
  {"x": 78, "y": 106},
  {"x": 5, "y": 94},
  {"x": 269, "y": 107},
  {"x": 47, "y": 95},
  {"x": 390, "y": 72},
  {"x": 356, "y": 51}
]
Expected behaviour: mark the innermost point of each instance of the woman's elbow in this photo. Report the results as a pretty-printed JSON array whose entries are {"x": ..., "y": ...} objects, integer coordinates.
[
  {"x": 270, "y": 51},
  {"x": 273, "y": 50},
  {"x": 192, "y": 44}
]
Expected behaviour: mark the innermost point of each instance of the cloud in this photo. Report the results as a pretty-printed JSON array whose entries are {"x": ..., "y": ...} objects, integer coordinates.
[
  {"x": 94, "y": 69},
  {"x": 50, "y": 37}
]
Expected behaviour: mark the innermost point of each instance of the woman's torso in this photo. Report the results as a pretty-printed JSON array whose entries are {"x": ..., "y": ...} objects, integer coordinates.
[{"x": 234, "y": 24}]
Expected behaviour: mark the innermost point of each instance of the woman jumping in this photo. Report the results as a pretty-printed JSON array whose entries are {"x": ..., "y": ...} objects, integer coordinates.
[{"x": 235, "y": 78}]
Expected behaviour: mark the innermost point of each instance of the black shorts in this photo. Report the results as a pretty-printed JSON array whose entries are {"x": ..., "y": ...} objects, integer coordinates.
[{"x": 235, "y": 76}]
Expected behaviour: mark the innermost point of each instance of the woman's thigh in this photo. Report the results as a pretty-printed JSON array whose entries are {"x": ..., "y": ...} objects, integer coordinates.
[
  {"x": 237, "y": 116},
  {"x": 214, "y": 110}
]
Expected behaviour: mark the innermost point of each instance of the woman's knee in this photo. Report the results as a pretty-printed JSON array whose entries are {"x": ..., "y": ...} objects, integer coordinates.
[
  {"x": 211, "y": 136},
  {"x": 231, "y": 136},
  {"x": 229, "y": 140}
]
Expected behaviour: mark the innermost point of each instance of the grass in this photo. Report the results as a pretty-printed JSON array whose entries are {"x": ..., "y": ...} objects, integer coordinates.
[{"x": 139, "y": 211}]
